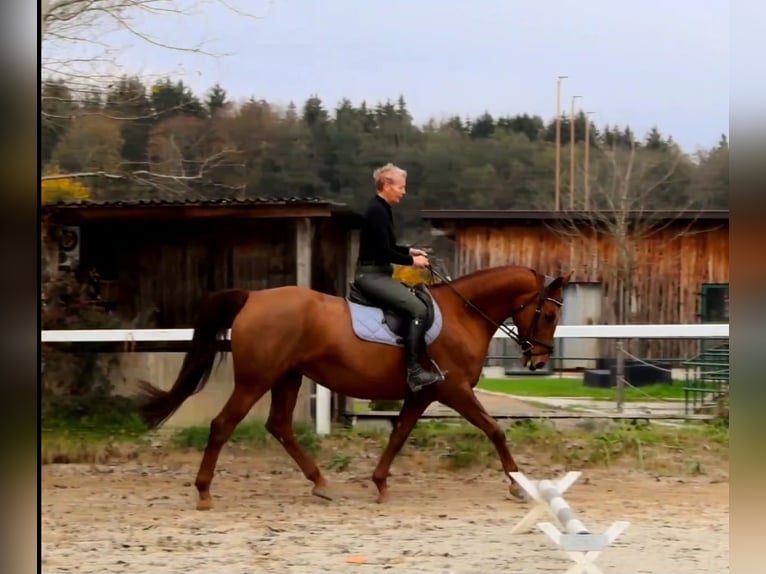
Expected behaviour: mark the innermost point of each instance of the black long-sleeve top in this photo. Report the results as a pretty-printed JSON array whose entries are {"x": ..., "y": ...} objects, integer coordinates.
[{"x": 377, "y": 240}]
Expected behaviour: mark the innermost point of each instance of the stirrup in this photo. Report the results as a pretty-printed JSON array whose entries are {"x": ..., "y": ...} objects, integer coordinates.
[{"x": 416, "y": 376}]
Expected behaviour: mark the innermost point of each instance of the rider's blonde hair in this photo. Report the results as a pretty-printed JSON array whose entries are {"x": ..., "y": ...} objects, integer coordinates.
[{"x": 384, "y": 174}]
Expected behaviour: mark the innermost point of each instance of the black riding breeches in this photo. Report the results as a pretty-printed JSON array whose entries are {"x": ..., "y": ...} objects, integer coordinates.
[{"x": 388, "y": 292}]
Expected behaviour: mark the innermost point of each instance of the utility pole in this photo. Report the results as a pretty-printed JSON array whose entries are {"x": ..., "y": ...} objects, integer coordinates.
[
  {"x": 586, "y": 201},
  {"x": 558, "y": 142},
  {"x": 572, "y": 166}
]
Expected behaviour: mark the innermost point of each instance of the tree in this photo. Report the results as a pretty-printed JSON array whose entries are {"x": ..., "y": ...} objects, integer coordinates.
[
  {"x": 63, "y": 190},
  {"x": 128, "y": 102},
  {"x": 79, "y": 50},
  {"x": 618, "y": 230},
  {"x": 216, "y": 100},
  {"x": 170, "y": 99},
  {"x": 76, "y": 34},
  {"x": 211, "y": 147},
  {"x": 627, "y": 185},
  {"x": 483, "y": 126},
  {"x": 709, "y": 185},
  {"x": 184, "y": 153},
  {"x": 91, "y": 144}
]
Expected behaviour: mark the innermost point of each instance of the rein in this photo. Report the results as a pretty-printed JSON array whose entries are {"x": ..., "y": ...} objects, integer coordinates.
[{"x": 526, "y": 343}]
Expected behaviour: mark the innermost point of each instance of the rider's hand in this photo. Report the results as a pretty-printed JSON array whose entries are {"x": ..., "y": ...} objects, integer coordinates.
[
  {"x": 415, "y": 251},
  {"x": 420, "y": 261}
]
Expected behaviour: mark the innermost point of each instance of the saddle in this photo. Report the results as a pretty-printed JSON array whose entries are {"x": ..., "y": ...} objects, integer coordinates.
[{"x": 394, "y": 320}]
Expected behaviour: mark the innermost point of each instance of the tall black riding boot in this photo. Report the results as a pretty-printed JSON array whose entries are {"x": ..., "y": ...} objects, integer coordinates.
[{"x": 417, "y": 376}]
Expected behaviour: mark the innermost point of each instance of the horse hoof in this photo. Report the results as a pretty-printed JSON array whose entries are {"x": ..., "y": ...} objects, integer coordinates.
[
  {"x": 204, "y": 504},
  {"x": 322, "y": 492},
  {"x": 518, "y": 493},
  {"x": 383, "y": 497}
]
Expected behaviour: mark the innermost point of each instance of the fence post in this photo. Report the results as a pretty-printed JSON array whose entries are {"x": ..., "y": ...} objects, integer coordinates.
[{"x": 620, "y": 375}]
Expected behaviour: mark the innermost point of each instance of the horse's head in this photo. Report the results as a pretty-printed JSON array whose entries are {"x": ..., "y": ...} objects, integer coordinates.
[{"x": 536, "y": 320}]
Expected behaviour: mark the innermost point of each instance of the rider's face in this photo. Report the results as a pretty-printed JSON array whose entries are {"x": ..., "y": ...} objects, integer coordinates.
[{"x": 395, "y": 189}]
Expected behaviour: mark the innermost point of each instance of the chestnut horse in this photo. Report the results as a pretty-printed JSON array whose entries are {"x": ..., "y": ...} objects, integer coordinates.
[{"x": 280, "y": 334}]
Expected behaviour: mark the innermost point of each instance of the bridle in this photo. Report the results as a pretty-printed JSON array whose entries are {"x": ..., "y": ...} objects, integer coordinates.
[{"x": 526, "y": 342}]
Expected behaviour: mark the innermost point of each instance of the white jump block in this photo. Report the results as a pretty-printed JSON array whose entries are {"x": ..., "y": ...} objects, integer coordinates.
[
  {"x": 541, "y": 507},
  {"x": 577, "y": 541}
]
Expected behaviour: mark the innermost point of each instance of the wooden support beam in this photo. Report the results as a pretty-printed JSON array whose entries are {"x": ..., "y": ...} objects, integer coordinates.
[
  {"x": 304, "y": 233},
  {"x": 352, "y": 250},
  {"x": 303, "y": 236}
]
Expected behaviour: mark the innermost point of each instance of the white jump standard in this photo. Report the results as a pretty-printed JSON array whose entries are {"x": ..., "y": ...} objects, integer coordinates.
[{"x": 580, "y": 544}]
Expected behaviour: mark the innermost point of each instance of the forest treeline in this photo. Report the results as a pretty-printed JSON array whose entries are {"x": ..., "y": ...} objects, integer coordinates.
[{"x": 164, "y": 141}]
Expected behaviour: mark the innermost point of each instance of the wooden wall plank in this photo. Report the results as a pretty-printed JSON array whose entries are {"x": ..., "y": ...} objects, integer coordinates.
[{"x": 671, "y": 265}]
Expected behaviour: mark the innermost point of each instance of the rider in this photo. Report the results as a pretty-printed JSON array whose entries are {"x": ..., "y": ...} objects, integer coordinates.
[{"x": 377, "y": 251}]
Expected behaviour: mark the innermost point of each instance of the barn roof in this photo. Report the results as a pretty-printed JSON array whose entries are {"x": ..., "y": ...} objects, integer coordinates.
[
  {"x": 448, "y": 221},
  {"x": 457, "y": 215},
  {"x": 258, "y": 200},
  {"x": 78, "y": 211}
]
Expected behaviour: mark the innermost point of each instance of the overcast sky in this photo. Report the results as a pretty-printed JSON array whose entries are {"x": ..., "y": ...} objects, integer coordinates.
[{"x": 639, "y": 63}]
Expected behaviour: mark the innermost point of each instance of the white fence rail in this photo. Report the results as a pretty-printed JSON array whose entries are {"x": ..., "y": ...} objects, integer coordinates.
[
  {"x": 323, "y": 403},
  {"x": 689, "y": 331}
]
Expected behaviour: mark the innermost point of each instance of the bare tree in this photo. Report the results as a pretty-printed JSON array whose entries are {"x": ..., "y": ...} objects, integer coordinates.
[
  {"x": 80, "y": 39},
  {"x": 184, "y": 152},
  {"x": 80, "y": 48},
  {"x": 626, "y": 199},
  {"x": 623, "y": 228}
]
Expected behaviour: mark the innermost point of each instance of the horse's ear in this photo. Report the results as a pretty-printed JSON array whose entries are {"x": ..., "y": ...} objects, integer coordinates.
[{"x": 560, "y": 282}]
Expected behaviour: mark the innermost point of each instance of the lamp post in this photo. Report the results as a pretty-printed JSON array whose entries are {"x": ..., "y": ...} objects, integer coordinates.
[
  {"x": 557, "y": 201},
  {"x": 572, "y": 154}
]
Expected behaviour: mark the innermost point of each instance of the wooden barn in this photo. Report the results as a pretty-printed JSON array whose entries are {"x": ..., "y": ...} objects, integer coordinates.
[
  {"x": 152, "y": 263},
  {"x": 674, "y": 266}
]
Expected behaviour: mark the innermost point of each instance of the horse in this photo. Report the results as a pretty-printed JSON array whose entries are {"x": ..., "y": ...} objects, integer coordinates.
[{"x": 352, "y": 346}]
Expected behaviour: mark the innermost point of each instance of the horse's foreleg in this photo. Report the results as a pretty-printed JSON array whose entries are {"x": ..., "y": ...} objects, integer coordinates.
[
  {"x": 246, "y": 393},
  {"x": 465, "y": 402},
  {"x": 284, "y": 396},
  {"x": 412, "y": 409}
]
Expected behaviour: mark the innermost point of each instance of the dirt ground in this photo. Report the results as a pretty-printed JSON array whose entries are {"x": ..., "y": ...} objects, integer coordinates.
[{"x": 140, "y": 517}]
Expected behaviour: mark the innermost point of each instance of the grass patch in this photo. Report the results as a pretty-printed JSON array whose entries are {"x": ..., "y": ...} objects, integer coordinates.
[
  {"x": 195, "y": 437},
  {"x": 467, "y": 453},
  {"x": 340, "y": 462},
  {"x": 691, "y": 449},
  {"x": 249, "y": 433},
  {"x": 69, "y": 436},
  {"x": 574, "y": 388},
  {"x": 66, "y": 441},
  {"x": 79, "y": 449}
]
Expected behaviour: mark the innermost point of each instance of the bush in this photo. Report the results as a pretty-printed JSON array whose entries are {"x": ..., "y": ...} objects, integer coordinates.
[{"x": 76, "y": 386}]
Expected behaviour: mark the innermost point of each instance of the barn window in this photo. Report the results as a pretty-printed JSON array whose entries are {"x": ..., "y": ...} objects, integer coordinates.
[{"x": 714, "y": 303}]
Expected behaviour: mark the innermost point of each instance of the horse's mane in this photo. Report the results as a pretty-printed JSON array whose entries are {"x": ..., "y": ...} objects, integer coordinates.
[{"x": 479, "y": 273}]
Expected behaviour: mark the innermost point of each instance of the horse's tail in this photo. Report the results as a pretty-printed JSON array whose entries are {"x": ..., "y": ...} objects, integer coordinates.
[{"x": 216, "y": 315}]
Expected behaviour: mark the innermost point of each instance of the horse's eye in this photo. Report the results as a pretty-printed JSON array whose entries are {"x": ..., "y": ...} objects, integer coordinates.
[{"x": 550, "y": 317}]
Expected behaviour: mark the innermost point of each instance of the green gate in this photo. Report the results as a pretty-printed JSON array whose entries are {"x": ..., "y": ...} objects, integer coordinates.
[{"x": 707, "y": 374}]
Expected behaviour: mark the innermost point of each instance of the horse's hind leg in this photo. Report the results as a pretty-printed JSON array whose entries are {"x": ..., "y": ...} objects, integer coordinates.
[
  {"x": 246, "y": 393},
  {"x": 284, "y": 395}
]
